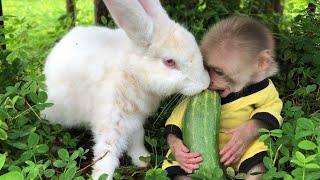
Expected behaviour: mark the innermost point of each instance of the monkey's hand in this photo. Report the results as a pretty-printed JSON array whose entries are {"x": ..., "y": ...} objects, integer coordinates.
[
  {"x": 189, "y": 161},
  {"x": 242, "y": 136}
]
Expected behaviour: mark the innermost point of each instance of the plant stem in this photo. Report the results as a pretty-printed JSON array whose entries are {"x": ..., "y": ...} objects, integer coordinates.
[
  {"x": 94, "y": 161},
  {"x": 277, "y": 154}
]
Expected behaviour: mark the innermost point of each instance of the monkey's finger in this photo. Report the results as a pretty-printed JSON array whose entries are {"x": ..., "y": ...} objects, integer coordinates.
[
  {"x": 237, "y": 154},
  {"x": 231, "y": 131},
  {"x": 230, "y": 161},
  {"x": 197, "y": 160},
  {"x": 192, "y": 166},
  {"x": 235, "y": 157},
  {"x": 189, "y": 167},
  {"x": 229, "y": 152},
  {"x": 187, "y": 170},
  {"x": 193, "y": 155},
  {"x": 225, "y": 157},
  {"x": 184, "y": 148},
  {"x": 226, "y": 148}
]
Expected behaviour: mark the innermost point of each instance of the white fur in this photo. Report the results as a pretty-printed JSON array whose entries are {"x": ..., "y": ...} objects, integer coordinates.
[{"x": 110, "y": 80}]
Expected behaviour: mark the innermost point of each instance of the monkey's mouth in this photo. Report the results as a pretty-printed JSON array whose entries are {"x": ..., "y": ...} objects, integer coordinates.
[{"x": 224, "y": 92}]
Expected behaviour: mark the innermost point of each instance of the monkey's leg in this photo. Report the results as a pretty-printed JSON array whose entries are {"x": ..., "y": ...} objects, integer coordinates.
[
  {"x": 259, "y": 168},
  {"x": 182, "y": 178}
]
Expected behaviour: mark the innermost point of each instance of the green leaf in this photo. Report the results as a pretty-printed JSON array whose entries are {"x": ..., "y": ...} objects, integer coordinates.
[
  {"x": 79, "y": 178},
  {"x": 284, "y": 160},
  {"x": 310, "y": 158},
  {"x": 305, "y": 123},
  {"x": 34, "y": 172},
  {"x": 14, "y": 100},
  {"x": 2, "y": 160},
  {"x": 33, "y": 139},
  {"x": 33, "y": 96},
  {"x": 297, "y": 173},
  {"x": 3, "y": 134},
  {"x": 302, "y": 133},
  {"x": 42, "y": 148},
  {"x": 42, "y": 97},
  {"x": 264, "y": 137},
  {"x": 268, "y": 162},
  {"x": 26, "y": 155},
  {"x": 63, "y": 154},
  {"x": 299, "y": 163},
  {"x": 59, "y": 163},
  {"x": 71, "y": 172},
  {"x": 263, "y": 130},
  {"x": 312, "y": 166},
  {"x": 71, "y": 164},
  {"x": 287, "y": 177},
  {"x": 240, "y": 176},
  {"x": 103, "y": 177},
  {"x": 74, "y": 155},
  {"x": 146, "y": 159},
  {"x": 13, "y": 175},
  {"x": 230, "y": 172},
  {"x": 151, "y": 141},
  {"x": 300, "y": 156},
  {"x": 30, "y": 163},
  {"x": 19, "y": 145},
  {"x": 157, "y": 173},
  {"x": 49, "y": 172},
  {"x": 307, "y": 145},
  {"x": 285, "y": 151},
  {"x": 276, "y": 133},
  {"x": 311, "y": 88},
  {"x": 14, "y": 168},
  {"x": 3, "y": 125}
]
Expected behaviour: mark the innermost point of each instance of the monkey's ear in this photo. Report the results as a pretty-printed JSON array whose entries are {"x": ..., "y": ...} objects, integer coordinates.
[{"x": 264, "y": 59}]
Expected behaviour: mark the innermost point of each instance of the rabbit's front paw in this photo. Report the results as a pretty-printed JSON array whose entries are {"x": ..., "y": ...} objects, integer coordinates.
[
  {"x": 96, "y": 173},
  {"x": 141, "y": 159}
]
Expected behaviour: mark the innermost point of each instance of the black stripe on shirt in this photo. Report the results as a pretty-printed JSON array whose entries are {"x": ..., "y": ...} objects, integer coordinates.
[
  {"x": 172, "y": 129},
  {"x": 251, "y": 89},
  {"x": 248, "y": 164},
  {"x": 268, "y": 119},
  {"x": 174, "y": 171}
]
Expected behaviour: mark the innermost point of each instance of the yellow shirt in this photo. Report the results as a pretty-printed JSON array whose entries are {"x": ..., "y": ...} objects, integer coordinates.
[{"x": 258, "y": 101}]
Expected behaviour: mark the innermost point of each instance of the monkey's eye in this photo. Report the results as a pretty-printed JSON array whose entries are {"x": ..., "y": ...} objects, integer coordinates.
[{"x": 219, "y": 73}]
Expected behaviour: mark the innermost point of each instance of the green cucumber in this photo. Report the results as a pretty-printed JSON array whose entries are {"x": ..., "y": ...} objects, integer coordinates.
[{"x": 200, "y": 129}]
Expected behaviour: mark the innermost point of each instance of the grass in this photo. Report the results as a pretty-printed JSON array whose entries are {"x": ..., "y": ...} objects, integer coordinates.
[{"x": 43, "y": 17}]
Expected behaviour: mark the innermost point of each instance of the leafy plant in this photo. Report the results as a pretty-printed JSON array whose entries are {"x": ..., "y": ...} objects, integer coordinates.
[{"x": 31, "y": 148}]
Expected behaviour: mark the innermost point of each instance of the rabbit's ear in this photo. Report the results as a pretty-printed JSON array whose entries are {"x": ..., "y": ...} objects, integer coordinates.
[
  {"x": 132, "y": 17},
  {"x": 154, "y": 9}
]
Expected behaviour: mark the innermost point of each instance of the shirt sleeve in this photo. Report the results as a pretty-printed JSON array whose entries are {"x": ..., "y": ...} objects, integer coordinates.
[
  {"x": 174, "y": 122},
  {"x": 268, "y": 109}
]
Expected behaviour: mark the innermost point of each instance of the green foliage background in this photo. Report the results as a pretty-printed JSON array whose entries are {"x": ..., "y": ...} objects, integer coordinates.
[{"x": 31, "y": 148}]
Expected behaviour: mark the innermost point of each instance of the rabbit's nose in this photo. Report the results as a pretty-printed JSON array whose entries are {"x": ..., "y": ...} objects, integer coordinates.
[{"x": 205, "y": 80}]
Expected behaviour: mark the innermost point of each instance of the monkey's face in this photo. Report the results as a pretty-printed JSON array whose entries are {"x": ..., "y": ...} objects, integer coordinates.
[{"x": 229, "y": 71}]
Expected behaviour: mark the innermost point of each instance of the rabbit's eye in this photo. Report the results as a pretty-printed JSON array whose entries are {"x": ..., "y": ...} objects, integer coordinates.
[{"x": 170, "y": 63}]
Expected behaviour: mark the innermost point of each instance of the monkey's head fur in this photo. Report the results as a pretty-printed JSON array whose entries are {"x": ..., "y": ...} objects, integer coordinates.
[{"x": 238, "y": 51}]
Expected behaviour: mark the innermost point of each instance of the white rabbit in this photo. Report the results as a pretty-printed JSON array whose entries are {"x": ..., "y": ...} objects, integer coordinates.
[{"x": 111, "y": 80}]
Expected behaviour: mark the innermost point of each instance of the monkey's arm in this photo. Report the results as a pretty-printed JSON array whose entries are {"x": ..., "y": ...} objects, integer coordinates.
[
  {"x": 267, "y": 110},
  {"x": 174, "y": 122},
  {"x": 187, "y": 160},
  {"x": 266, "y": 115}
]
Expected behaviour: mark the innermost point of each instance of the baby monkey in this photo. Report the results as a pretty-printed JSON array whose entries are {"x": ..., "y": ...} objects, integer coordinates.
[{"x": 239, "y": 55}]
